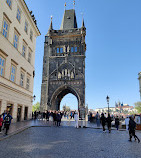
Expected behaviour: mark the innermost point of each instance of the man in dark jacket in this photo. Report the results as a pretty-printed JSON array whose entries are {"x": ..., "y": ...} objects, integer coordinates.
[
  {"x": 7, "y": 122},
  {"x": 109, "y": 120},
  {"x": 103, "y": 121},
  {"x": 117, "y": 122},
  {"x": 132, "y": 127}
]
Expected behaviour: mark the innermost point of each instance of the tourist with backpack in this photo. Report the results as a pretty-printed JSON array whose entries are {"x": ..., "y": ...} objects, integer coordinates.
[
  {"x": 132, "y": 127},
  {"x": 7, "y": 122}
]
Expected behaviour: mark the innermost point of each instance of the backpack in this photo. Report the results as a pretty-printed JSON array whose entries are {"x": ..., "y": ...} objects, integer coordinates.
[{"x": 7, "y": 119}]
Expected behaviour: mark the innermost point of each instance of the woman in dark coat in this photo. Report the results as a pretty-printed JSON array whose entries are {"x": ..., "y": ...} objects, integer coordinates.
[
  {"x": 117, "y": 122},
  {"x": 109, "y": 120},
  {"x": 103, "y": 121},
  {"x": 132, "y": 127}
]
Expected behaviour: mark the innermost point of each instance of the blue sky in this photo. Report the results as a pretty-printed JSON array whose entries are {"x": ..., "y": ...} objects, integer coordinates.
[{"x": 113, "y": 56}]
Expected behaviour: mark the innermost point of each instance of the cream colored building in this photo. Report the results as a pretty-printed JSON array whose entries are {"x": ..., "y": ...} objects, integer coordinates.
[{"x": 18, "y": 32}]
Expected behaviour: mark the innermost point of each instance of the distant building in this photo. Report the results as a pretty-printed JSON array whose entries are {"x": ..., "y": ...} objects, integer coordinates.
[{"x": 17, "y": 56}]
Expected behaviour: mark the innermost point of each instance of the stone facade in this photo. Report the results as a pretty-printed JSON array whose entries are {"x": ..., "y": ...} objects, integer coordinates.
[
  {"x": 18, "y": 32},
  {"x": 64, "y": 63}
]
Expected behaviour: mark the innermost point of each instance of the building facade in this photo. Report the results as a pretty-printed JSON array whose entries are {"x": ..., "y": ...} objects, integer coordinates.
[
  {"x": 18, "y": 32},
  {"x": 64, "y": 63}
]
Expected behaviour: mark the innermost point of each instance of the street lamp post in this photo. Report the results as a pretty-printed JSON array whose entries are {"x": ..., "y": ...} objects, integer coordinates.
[{"x": 108, "y": 98}]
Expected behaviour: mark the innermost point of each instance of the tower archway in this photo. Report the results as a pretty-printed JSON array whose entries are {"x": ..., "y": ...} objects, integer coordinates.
[{"x": 60, "y": 93}]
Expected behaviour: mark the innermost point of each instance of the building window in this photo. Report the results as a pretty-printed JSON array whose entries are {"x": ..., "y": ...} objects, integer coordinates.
[
  {"x": 13, "y": 73},
  {"x": 29, "y": 57},
  {"x": 58, "y": 50},
  {"x": 27, "y": 83},
  {"x": 22, "y": 79},
  {"x": 2, "y": 61},
  {"x": 72, "y": 49},
  {"x": 31, "y": 35},
  {"x": 9, "y": 3},
  {"x": 18, "y": 14},
  {"x": 26, "y": 27},
  {"x": 75, "y": 49},
  {"x": 16, "y": 39},
  {"x": 24, "y": 50},
  {"x": 61, "y": 50},
  {"x": 5, "y": 28}
]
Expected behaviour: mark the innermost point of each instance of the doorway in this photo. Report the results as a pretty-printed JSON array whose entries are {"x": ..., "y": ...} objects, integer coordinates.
[
  {"x": 19, "y": 112},
  {"x": 26, "y": 113}
]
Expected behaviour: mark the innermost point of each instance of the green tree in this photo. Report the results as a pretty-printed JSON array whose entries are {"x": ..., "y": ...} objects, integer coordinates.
[
  {"x": 36, "y": 107},
  {"x": 138, "y": 106}
]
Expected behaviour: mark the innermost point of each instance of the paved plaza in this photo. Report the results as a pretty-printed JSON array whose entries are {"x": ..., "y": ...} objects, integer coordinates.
[{"x": 69, "y": 142}]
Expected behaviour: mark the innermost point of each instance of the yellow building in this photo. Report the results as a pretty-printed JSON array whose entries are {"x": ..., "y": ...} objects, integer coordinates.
[{"x": 18, "y": 32}]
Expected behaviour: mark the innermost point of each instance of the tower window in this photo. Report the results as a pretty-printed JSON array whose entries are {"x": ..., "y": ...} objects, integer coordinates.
[
  {"x": 75, "y": 49},
  {"x": 72, "y": 49},
  {"x": 61, "y": 50},
  {"x": 58, "y": 50}
]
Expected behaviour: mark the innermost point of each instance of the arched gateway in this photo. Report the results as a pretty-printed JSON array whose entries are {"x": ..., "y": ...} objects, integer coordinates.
[{"x": 64, "y": 64}]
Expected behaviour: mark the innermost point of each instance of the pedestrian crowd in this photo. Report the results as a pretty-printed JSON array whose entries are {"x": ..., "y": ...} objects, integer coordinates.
[
  {"x": 129, "y": 122},
  {"x": 5, "y": 121}
]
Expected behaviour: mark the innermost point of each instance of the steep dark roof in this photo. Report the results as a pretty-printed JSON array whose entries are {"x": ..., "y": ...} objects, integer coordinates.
[{"x": 69, "y": 20}]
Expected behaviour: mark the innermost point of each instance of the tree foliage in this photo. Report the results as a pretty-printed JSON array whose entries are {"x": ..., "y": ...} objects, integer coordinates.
[
  {"x": 36, "y": 107},
  {"x": 138, "y": 106}
]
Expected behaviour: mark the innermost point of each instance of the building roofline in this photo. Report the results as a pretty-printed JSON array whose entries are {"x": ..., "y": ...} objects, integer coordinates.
[{"x": 37, "y": 29}]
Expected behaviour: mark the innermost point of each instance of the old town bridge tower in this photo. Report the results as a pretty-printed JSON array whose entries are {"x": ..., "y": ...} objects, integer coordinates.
[{"x": 64, "y": 63}]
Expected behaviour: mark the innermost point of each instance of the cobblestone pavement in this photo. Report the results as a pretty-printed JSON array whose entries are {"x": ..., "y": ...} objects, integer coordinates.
[
  {"x": 69, "y": 142},
  {"x": 19, "y": 126}
]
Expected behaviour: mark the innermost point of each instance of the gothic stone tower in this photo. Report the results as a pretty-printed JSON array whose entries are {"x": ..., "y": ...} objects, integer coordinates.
[{"x": 64, "y": 63}]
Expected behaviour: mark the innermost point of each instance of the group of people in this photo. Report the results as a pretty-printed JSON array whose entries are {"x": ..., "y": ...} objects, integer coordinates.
[
  {"x": 129, "y": 121},
  {"x": 53, "y": 116},
  {"x": 5, "y": 121}
]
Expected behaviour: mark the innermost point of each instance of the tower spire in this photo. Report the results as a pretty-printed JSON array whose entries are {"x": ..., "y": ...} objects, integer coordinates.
[{"x": 51, "y": 27}]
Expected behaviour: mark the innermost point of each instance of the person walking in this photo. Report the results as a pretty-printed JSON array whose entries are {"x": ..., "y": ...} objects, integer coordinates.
[
  {"x": 109, "y": 120},
  {"x": 127, "y": 123},
  {"x": 1, "y": 122},
  {"x": 7, "y": 122},
  {"x": 132, "y": 127},
  {"x": 103, "y": 121},
  {"x": 76, "y": 119},
  {"x": 58, "y": 118},
  {"x": 117, "y": 122},
  {"x": 98, "y": 119}
]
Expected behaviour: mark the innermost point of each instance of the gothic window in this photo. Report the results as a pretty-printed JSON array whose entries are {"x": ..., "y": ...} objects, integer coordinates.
[
  {"x": 58, "y": 50},
  {"x": 72, "y": 49},
  {"x": 61, "y": 50},
  {"x": 75, "y": 49}
]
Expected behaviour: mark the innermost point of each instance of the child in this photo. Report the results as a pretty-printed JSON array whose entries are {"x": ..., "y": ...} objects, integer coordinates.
[{"x": 1, "y": 120}]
